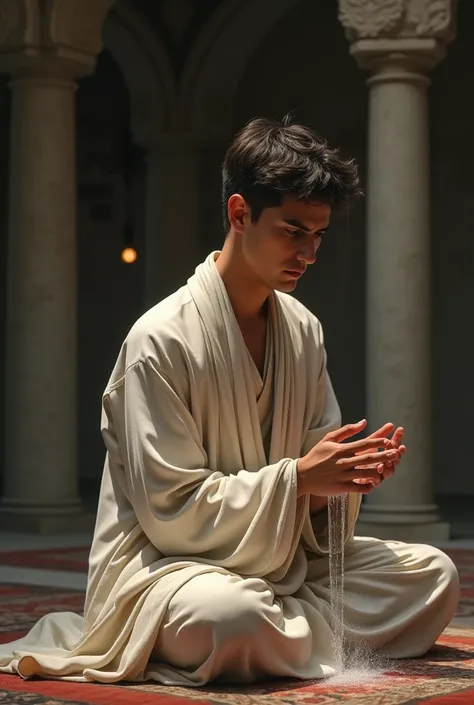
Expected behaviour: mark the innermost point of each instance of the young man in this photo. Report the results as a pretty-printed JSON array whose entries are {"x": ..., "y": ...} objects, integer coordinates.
[{"x": 210, "y": 555}]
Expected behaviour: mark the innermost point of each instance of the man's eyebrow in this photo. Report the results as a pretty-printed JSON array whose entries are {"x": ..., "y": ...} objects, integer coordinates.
[{"x": 298, "y": 224}]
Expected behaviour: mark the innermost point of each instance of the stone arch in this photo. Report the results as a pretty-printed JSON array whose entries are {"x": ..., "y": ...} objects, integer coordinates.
[
  {"x": 217, "y": 62},
  {"x": 147, "y": 70}
]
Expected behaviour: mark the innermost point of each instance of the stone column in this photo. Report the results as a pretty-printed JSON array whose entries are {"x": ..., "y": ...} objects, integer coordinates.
[
  {"x": 172, "y": 219},
  {"x": 45, "y": 46},
  {"x": 398, "y": 42}
]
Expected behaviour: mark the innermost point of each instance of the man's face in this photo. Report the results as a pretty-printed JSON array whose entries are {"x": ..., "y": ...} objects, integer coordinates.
[{"x": 281, "y": 245}]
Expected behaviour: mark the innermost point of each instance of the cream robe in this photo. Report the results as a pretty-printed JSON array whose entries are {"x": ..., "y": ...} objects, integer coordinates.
[{"x": 202, "y": 554}]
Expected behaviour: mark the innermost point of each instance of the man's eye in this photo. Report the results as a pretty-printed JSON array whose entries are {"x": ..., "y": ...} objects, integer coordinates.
[{"x": 290, "y": 232}]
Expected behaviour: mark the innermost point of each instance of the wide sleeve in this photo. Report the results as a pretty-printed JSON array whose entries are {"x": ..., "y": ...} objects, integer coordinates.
[
  {"x": 326, "y": 417},
  {"x": 325, "y": 411},
  {"x": 327, "y": 414},
  {"x": 244, "y": 521}
]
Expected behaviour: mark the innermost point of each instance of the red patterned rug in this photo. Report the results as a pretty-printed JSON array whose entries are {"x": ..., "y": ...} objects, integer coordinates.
[
  {"x": 73, "y": 560},
  {"x": 444, "y": 677},
  {"x": 76, "y": 560}
]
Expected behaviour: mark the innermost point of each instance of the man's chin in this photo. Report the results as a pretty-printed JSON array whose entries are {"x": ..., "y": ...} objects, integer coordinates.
[{"x": 286, "y": 287}]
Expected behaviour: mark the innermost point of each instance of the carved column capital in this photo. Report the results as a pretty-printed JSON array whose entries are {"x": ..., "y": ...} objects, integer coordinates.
[
  {"x": 410, "y": 32},
  {"x": 51, "y": 37}
]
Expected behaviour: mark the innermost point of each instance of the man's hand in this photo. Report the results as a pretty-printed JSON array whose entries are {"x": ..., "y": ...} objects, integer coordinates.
[
  {"x": 331, "y": 466},
  {"x": 387, "y": 469}
]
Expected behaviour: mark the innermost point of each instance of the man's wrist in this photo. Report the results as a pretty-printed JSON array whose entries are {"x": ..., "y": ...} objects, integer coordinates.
[{"x": 301, "y": 478}]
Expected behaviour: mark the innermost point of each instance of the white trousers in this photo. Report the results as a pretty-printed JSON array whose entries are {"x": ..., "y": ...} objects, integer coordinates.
[{"x": 398, "y": 599}]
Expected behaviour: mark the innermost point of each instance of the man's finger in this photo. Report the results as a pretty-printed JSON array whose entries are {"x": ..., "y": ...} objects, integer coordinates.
[
  {"x": 380, "y": 467},
  {"x": 401, "y": 452},
  {"x": 398, "y": 435},
  {"x": 383, "y": 431},
  {"x": 351, "y": 429},
  {"x": 363, "y": 486},
  {"x": 364, "y": 444},
  {"x": 365, "y": 474},
  {"x": 368, "y": 459}
]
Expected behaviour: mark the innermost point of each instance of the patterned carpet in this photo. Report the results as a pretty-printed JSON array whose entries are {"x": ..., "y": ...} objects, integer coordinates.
[
  {"x": 73, "y": 560},
  {"x": 443, "y": 677}
]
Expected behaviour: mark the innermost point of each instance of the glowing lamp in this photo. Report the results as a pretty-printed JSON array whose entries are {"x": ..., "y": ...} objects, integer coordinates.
[{"x": 129, "y": 255}]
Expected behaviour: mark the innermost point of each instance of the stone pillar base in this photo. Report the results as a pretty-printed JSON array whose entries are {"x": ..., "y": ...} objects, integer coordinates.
[
  {"x": 46, "y": 523},
  {"x": 431, "y": 532}
]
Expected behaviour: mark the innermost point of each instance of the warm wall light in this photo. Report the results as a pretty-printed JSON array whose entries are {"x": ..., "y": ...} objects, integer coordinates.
[{"x": 129, "y": 255}]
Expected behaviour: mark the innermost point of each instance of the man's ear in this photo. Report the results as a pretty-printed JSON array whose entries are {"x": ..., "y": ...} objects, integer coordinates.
[{"x": 237, "y": 209}]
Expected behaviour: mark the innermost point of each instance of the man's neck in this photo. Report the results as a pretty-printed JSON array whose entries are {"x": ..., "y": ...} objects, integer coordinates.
[{"x": 247, "y": 296}]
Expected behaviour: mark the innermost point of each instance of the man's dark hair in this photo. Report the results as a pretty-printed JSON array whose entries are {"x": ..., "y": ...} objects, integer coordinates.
[{"x": 269, "y": 159}]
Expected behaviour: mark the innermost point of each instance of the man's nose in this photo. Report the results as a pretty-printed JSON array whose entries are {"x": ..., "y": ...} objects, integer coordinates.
[{"x": 307, "y": 253}]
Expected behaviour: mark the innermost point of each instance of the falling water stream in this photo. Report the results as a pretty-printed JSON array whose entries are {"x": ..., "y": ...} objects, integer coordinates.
[
  {"x": 362, "y": 666},
  {"x": 337, "y": 510}
]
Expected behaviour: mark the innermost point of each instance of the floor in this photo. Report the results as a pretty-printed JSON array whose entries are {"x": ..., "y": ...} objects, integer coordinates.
[
  {"x": 56, "y": 578},
  {"x": 32, "y": 576}
]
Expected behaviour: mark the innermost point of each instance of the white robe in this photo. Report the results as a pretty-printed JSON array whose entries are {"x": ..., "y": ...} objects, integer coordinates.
[{"x": 204, "y": 562}]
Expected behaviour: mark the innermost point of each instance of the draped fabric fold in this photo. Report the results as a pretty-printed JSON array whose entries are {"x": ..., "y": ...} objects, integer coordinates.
[
  {"x": 197, "y": 490},
  {"x": 186, "y": 485}
]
